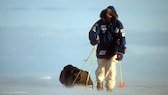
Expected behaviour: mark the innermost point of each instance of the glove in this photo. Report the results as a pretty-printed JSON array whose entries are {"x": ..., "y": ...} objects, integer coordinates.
[{"x": 119, "y": 56}]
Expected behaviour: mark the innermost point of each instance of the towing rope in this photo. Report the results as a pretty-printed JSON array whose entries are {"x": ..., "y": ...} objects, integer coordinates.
[{"x": 91, "y": 61}]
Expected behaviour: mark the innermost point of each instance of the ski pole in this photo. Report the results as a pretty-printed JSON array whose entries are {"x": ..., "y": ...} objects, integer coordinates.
[{"x": 121, "y": 83}]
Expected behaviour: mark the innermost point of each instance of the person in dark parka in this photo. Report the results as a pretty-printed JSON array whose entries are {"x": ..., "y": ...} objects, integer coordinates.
[{"x": 109, "y": 36}]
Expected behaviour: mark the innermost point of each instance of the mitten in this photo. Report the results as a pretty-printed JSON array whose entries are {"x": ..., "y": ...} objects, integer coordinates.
[{"x": 119, "y": 56}]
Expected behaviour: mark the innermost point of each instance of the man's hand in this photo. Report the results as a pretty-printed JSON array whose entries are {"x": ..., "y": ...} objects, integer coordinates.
[
  {"x": 119, "y": 56},
  {"x": 118, "y": 42}
]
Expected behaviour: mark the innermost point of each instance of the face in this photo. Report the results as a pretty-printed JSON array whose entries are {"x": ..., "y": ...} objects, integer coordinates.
[{"x": 108, "y": 15}]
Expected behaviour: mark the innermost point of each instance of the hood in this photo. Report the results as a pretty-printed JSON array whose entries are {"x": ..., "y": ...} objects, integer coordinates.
[{"x": 112, "y": 8}]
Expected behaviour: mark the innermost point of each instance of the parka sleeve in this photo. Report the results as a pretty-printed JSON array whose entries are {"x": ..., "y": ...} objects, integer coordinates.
[
  {"x": 122, "y": 38},
  {"x": 93, "y": 34}
]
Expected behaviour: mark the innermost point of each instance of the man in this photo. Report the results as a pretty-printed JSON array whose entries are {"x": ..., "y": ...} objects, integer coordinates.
[{"x": 109, "y": 36}]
